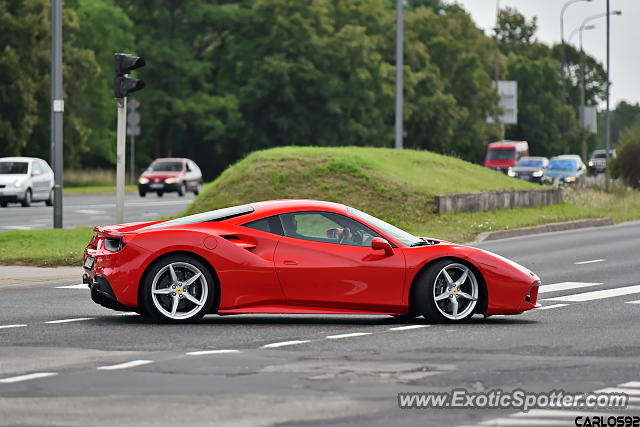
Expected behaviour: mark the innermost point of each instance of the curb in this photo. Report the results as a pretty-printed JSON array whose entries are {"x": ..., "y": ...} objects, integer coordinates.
[{"x": 545, "y": 228}]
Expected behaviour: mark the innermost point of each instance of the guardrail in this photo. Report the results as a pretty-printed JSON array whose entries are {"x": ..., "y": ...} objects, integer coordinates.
[{"x": 494, "y": 200}]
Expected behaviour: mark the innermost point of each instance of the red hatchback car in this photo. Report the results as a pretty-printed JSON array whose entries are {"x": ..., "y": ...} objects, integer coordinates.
[
  {"x": 170, "y": 175},
  {"x": 296, "y": 256}
]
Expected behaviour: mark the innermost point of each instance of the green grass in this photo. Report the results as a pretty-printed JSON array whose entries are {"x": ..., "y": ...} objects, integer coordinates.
[
  {"x": 44, "y": 247},
  {"x": 99, "y": 189}
]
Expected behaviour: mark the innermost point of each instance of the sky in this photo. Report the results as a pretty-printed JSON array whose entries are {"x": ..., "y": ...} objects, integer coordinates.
[{"x": 625, "y": 33}]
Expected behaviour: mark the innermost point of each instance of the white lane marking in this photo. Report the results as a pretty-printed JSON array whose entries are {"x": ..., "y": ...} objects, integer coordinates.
[
  {"x": 77, "y": 319},
  {"x": 79, "y": 286},
  {"x": 558, "y": 413},
  {"x": 605, "y": 293},
  {"x": 15, "y": 227},
  {"x": 207, "y": 352},
  {"x": 523, "y": 422},
  {"x": 632, "y": 302},
  {"x": 89, "y": 211},
  {"x": 591, "y": 261},
  {"x": 547, "y": 307},
  {"x": 27, "y": 377},
  {"x": 127, "y": 313},
  {"x": 564, "y": 286},
  {"x": 630, "y": 384},
  {"x": 354, "y": 334},
  {"x": 12, "y": 326},
  {"x": 629, "y": 391},
  {"x": 285, "y": 343},
  {"x": 125, "y": 365},
  {"x": 406, "y": 328}
]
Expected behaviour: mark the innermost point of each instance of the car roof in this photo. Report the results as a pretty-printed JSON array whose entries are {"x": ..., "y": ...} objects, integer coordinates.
[
  {"x": 533, "y": 158},
  {"x": 273, "y": 207},
  {"x": 18, "y": 159},
  {"x": 170, "y": 159},
  {"x": 507, "y": 144},
  {"x": 568, "y": 157}
]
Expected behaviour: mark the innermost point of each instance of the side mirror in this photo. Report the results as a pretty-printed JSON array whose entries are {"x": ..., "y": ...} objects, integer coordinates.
[{"x": 378, "y": 243}]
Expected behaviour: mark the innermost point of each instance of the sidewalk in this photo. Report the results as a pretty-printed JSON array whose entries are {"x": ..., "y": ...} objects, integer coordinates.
[{"x": 13, "y": 275}]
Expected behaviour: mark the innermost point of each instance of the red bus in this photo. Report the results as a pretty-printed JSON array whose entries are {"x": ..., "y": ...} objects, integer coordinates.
[{"x": 504, "y": 154}]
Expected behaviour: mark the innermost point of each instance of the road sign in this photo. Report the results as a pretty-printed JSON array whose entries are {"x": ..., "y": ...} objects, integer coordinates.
[
  {"x": 508, "y": 92},
  {"x": 133, "y": 118}
]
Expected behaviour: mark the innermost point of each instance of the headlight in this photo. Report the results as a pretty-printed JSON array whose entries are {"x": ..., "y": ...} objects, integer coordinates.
[
  {"x": 590, "y": 163},
  {"x": 143, "y": 180},
  {"x": 570, "y": 179},
  {"x": 537, "y": 174},
  {"x": 170, "y": 181},
  {"x": 19, "y": 182},
  {"x": 510, "y": 172}
]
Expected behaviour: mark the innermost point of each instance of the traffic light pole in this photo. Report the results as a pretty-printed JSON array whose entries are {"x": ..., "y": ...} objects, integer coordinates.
[
  {"x": 120, "y": 158},
  {"x": 57, "y": 110}
]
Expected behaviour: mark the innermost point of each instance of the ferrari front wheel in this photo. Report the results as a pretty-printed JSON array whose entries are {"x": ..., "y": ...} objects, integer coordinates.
[
  {"x": 178, "y": 289},
  {"x": 447, "y": 292}
]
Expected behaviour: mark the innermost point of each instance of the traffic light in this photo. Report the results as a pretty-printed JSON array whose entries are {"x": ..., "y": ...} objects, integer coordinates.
[{"x": 123, "y": 85}]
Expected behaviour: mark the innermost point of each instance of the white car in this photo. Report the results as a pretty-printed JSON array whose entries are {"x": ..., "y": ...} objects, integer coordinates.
[{"x": 24, "y": 180}]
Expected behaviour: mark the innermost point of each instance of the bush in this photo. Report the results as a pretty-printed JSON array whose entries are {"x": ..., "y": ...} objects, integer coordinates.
[{"x": 629, "y": 159}]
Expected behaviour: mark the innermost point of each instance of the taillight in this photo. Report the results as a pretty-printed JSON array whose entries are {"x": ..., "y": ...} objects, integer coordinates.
[{"x": 113, "y": 244}]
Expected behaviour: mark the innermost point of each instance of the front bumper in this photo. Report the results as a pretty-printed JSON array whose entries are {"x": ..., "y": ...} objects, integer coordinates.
[
  {"x": 12, "y": 194},
  {"x": 158, "y": 186}
]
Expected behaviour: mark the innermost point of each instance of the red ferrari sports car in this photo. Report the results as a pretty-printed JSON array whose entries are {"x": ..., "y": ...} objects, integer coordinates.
[{"x": 296, "y": 256}]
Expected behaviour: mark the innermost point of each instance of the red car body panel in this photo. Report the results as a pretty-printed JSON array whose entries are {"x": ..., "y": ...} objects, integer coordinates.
[{"x": 261, "y": 272}]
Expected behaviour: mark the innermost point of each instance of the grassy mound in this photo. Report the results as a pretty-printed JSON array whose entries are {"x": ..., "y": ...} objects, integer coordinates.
[{"x": 397, "y": 186}]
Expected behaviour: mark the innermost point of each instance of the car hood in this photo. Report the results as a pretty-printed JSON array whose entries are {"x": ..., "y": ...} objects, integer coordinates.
[
  {"x": 559, "y": 173},
  {"x": 525, "y": 169},
  {"x": 160, "y": 175},
  {"x": 11, "y": 178}
]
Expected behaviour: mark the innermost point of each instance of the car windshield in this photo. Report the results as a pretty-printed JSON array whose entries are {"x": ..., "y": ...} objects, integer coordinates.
[
  {"x": 501, "y": 154},
  {"x": 528, "y": 163},
  {"x": 165, "y": 167},
  {"x": 14, "y": 168},
  {"x": 599, "y": 155},
  {"x": 563, "y": 165},
  {"x": 402, "y": 236},
  {"x": 211, "y": 216}
]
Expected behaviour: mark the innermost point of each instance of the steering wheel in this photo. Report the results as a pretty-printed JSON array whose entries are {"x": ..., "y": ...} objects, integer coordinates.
[{"x": 345, "y": 237}]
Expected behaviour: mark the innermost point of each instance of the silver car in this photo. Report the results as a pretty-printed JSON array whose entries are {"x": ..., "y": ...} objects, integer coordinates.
[{"x": 24, "y": 180}]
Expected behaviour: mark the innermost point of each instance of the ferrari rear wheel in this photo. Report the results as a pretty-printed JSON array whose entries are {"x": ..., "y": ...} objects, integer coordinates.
[
  {"x": 178, "y": 289},
  {"x": 447, "y": 292}
]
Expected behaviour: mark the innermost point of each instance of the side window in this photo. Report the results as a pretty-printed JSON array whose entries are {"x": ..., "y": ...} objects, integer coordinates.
[
  {"x": 268, "y": 225},
  {"x": 326, "y": 227}
]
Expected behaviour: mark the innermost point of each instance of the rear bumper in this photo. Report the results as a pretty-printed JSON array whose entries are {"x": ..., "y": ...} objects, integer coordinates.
[{"x": 102, "y": 293}]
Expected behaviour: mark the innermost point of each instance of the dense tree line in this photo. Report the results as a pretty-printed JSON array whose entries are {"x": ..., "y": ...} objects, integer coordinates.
[{"x": 225, "y": 77}]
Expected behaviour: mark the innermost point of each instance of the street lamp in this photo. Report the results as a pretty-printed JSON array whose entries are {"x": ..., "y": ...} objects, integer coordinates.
[
  {"x": 576, "y": 30},
  {"x": 562, "y": 71}
]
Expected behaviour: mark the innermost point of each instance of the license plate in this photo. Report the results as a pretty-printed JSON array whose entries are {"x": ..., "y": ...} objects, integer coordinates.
[
  {"x": 88, "y": 263},
  {"x": 156, "y": 185}
]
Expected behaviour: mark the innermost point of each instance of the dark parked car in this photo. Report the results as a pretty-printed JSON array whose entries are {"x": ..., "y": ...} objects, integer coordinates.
[
  {"x": 598, "y": 161},
  {"x": 171, "y": 175},
  {"x": 529, "y": 168},
  {"x": 565, "y": 169}
]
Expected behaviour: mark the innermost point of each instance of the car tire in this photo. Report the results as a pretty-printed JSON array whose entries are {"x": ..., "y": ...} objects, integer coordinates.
[
  {"x": 160, "y": 193},
  {"x": 49, "y": 201},
  {"x": 448, "y": 291},
  {"x": 182, "y": 188},
  {"x": 142, "y": 193},
  {"x": 177, "y": 289},
  {"x": 3, "y": 204},
  {"x": 26, "y": 202},
  {"x": 198, "y": 189}
]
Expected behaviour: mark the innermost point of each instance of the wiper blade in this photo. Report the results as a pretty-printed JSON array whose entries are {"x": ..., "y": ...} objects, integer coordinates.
[{"x": 421, "y": 242}]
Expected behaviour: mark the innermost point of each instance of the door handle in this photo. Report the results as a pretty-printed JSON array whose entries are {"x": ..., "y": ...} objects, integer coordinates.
[{"x": 289, "y": 262}]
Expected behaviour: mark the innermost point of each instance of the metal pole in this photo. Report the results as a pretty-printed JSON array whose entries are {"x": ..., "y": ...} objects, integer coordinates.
[
  {"x": 120, "y": 158},
  {"x": 399, "y": 72},
  {"x": 582, "y": 111},
  {"x": 132, "y": 178},
  {"x": 57, "y": 109},
  {"x": 607, "y": 126}
]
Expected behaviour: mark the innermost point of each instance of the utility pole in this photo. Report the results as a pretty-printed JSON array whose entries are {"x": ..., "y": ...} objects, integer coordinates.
[
  {"x": 57, "y": 104},
  {"x": 399, "y": 73},
  {"x": 607, "y": 122}
]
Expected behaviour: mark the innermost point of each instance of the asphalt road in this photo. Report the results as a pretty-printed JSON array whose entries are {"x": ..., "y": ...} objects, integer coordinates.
[
  {"x": 89, "y": 210},
  {"x": 110, "y": 369}
]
